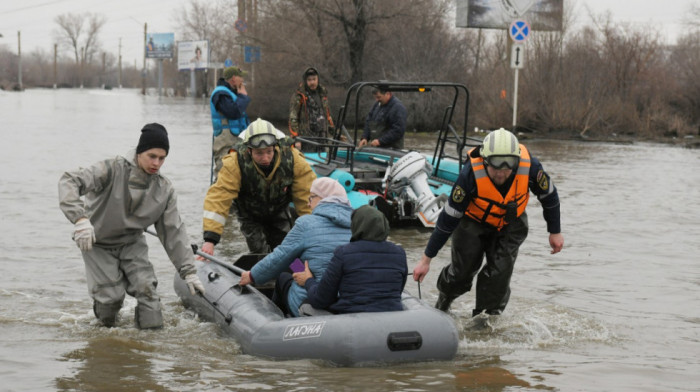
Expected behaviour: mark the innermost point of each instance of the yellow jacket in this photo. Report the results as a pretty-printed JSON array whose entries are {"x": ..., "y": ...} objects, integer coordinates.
[{"x": 225, "y": 191}]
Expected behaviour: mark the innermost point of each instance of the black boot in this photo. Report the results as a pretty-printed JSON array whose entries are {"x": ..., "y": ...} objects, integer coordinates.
[
  {"x": 443, "y": 302},
  {"x": 490, "y": 312}
]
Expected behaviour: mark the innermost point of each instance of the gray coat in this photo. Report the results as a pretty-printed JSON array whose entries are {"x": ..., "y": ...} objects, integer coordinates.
[{"x": 121, "y": 201}]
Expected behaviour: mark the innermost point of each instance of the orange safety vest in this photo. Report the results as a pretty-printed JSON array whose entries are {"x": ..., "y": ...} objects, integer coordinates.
[{"x": 489, "y": 206}]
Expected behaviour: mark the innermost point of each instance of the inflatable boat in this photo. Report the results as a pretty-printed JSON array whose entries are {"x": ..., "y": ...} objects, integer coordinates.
[{"x": 417, "y": 333}]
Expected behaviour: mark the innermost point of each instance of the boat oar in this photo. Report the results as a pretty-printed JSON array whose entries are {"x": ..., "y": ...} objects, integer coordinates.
[
  {"x": 209, "y": 257},
  {"x": 419, "y": 296},
  {"x": 214, "y": 260}
]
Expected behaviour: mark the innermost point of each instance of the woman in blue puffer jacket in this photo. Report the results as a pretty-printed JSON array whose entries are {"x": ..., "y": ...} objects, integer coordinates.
[
  {"x": 366, "y": 275},
  {"x": 313, "y": 238}
]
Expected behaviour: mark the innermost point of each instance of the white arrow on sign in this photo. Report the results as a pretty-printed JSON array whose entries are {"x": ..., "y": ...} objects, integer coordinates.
[{"x": 517, "y": 56}]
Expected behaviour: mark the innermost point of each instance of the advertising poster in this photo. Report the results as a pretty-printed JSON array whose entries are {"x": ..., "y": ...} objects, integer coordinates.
[
  {"x": 160, "y": 45},
  {"x": 542, "y": 15},
  {"x": 192, "y": 55}
]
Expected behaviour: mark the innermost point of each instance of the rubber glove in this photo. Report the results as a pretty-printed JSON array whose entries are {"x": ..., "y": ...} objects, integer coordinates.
[
  {"x": 84, "y": 234},
  {"x": 194, "y": 284}
]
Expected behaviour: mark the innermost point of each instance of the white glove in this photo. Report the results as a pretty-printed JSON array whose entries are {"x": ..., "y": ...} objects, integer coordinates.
[
  {"x": 194, "y": 284},
  {"x": 84, "y": 234}
]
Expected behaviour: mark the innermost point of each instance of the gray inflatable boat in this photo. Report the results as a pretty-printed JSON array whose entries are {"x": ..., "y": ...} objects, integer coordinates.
[{"x": 418, "y": 333}]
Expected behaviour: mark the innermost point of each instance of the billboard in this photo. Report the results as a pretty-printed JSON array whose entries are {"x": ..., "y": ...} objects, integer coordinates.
[
  {"x": 160, "y": 45},
  {"x": 542, "y": 15},
  {"x": 192, "y": 55}
]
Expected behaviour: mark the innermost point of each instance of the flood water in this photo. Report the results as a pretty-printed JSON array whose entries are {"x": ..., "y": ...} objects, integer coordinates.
[{"x": 617, "y": 310}]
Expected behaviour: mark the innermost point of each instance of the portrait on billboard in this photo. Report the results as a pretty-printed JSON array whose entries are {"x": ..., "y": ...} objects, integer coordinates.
[
  {"x": 542, "y": 15},
  {"x": 160, "y": 45},
  {"x": 192, "y": 55}
]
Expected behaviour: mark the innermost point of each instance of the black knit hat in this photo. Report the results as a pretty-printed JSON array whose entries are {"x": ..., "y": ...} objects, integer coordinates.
[{"x": 153, "y": 135}]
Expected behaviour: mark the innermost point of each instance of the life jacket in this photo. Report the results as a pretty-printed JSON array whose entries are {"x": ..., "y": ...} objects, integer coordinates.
[
  {"x": 260, "y": 196},
  {"x": 489, "y": 206},
  {"x": 219, "y": 121}
]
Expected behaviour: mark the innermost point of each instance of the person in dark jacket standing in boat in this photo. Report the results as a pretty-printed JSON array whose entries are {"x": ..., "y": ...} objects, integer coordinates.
[
  {"x": 120, "y": 198},
  {"x": 366, "y": 275},
  {"x": 385, "y": 125},
  {"x": 486, "y": 217},
  {"x": 309, "y": 109},
  {"x": 228, "y": 104}
]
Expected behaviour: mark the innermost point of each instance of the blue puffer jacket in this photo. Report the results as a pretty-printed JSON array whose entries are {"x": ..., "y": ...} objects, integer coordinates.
[
  {"x": 373, "y": 277},
  {"x": 314, "y": 237}
]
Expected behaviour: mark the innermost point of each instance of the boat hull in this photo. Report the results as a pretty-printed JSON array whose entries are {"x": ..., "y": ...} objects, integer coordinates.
[{"x": 418, "y": 333}]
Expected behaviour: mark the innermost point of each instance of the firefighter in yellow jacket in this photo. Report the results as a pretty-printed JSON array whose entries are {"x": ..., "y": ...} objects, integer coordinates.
[{"x": 261, "y": 177}]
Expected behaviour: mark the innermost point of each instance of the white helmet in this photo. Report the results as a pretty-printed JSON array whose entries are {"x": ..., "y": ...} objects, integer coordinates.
[
  {"x": 500, "y": 148},
  {"x": 260, "y": 134}
]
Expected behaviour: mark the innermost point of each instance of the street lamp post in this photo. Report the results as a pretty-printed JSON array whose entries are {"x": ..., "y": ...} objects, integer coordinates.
[{"x": 19, "y": 60}]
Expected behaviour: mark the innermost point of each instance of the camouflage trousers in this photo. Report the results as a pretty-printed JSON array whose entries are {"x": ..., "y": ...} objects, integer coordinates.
[{"x": 262, "y": 235}]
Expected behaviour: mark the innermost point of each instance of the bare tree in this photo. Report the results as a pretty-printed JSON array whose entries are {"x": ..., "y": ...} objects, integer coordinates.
[
  {"x": 70, "y": 30},
  {"x": 343, "y": 24},
  {"x": 607, "y": 78},
  {"x": 95, "y": 22},
  {"x": 692, "y": 17},
  {"x": 80, "y": 32},
  {"x": 683, "y": 63},
  {"x": 201, "y": 19}
]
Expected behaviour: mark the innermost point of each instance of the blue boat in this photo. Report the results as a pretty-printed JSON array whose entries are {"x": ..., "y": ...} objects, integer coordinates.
[{"x": 407, "y": 186}]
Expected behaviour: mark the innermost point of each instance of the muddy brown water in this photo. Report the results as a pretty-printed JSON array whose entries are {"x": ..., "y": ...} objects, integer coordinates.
[{"x": 618, "y": 309}]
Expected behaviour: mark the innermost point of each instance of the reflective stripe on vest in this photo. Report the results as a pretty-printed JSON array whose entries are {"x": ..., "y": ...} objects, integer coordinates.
[
  {"x": 219, "y": 122},
  {"x": 489, "y": 206}
]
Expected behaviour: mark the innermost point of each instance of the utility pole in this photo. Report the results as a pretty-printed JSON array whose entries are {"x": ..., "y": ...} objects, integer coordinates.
[
  {"x": 104, "y": 68},
  {"x": 478, "y": 55},
  {"x": 55, "y": 65},
  {"x": 241, "y": 16},
  {"x": 143, "y": 73},
  {"x": 120, "y": 63},
  {"x": 254, "y": 32},
  {"x": 19, "y": 60},
  {"x": 82, "y": 65},
  {"x": 160, "y": 77}
]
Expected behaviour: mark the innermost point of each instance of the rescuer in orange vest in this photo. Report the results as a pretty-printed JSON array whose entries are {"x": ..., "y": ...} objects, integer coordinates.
[{"x": 486, "y": 218}]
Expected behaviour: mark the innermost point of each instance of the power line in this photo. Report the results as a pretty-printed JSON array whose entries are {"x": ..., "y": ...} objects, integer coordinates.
[{"x": 33, "y": 6}]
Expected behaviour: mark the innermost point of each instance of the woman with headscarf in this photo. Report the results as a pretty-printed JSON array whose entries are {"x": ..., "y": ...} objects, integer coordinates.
[
  {"x": 313, "y": 238},
  {"x": 366, "y": 275}
]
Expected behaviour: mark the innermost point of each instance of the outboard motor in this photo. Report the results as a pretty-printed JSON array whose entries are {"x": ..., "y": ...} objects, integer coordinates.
[{"x": 407, "y": 179}]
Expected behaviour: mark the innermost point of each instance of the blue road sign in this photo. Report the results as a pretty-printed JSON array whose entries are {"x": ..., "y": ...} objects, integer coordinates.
[
  {"x": 241, "y": 25},
  {"x": 252, "y": 54},
  {"x": 228, "y": 63},
  {"x": 519, "y": 30}
]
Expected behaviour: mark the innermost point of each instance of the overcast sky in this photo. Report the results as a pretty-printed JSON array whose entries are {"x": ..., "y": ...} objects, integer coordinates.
[{"x": 126, "y": 18}]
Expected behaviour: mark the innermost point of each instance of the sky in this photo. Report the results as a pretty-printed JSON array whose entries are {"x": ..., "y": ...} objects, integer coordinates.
[{"x": 126, "y": 18}]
